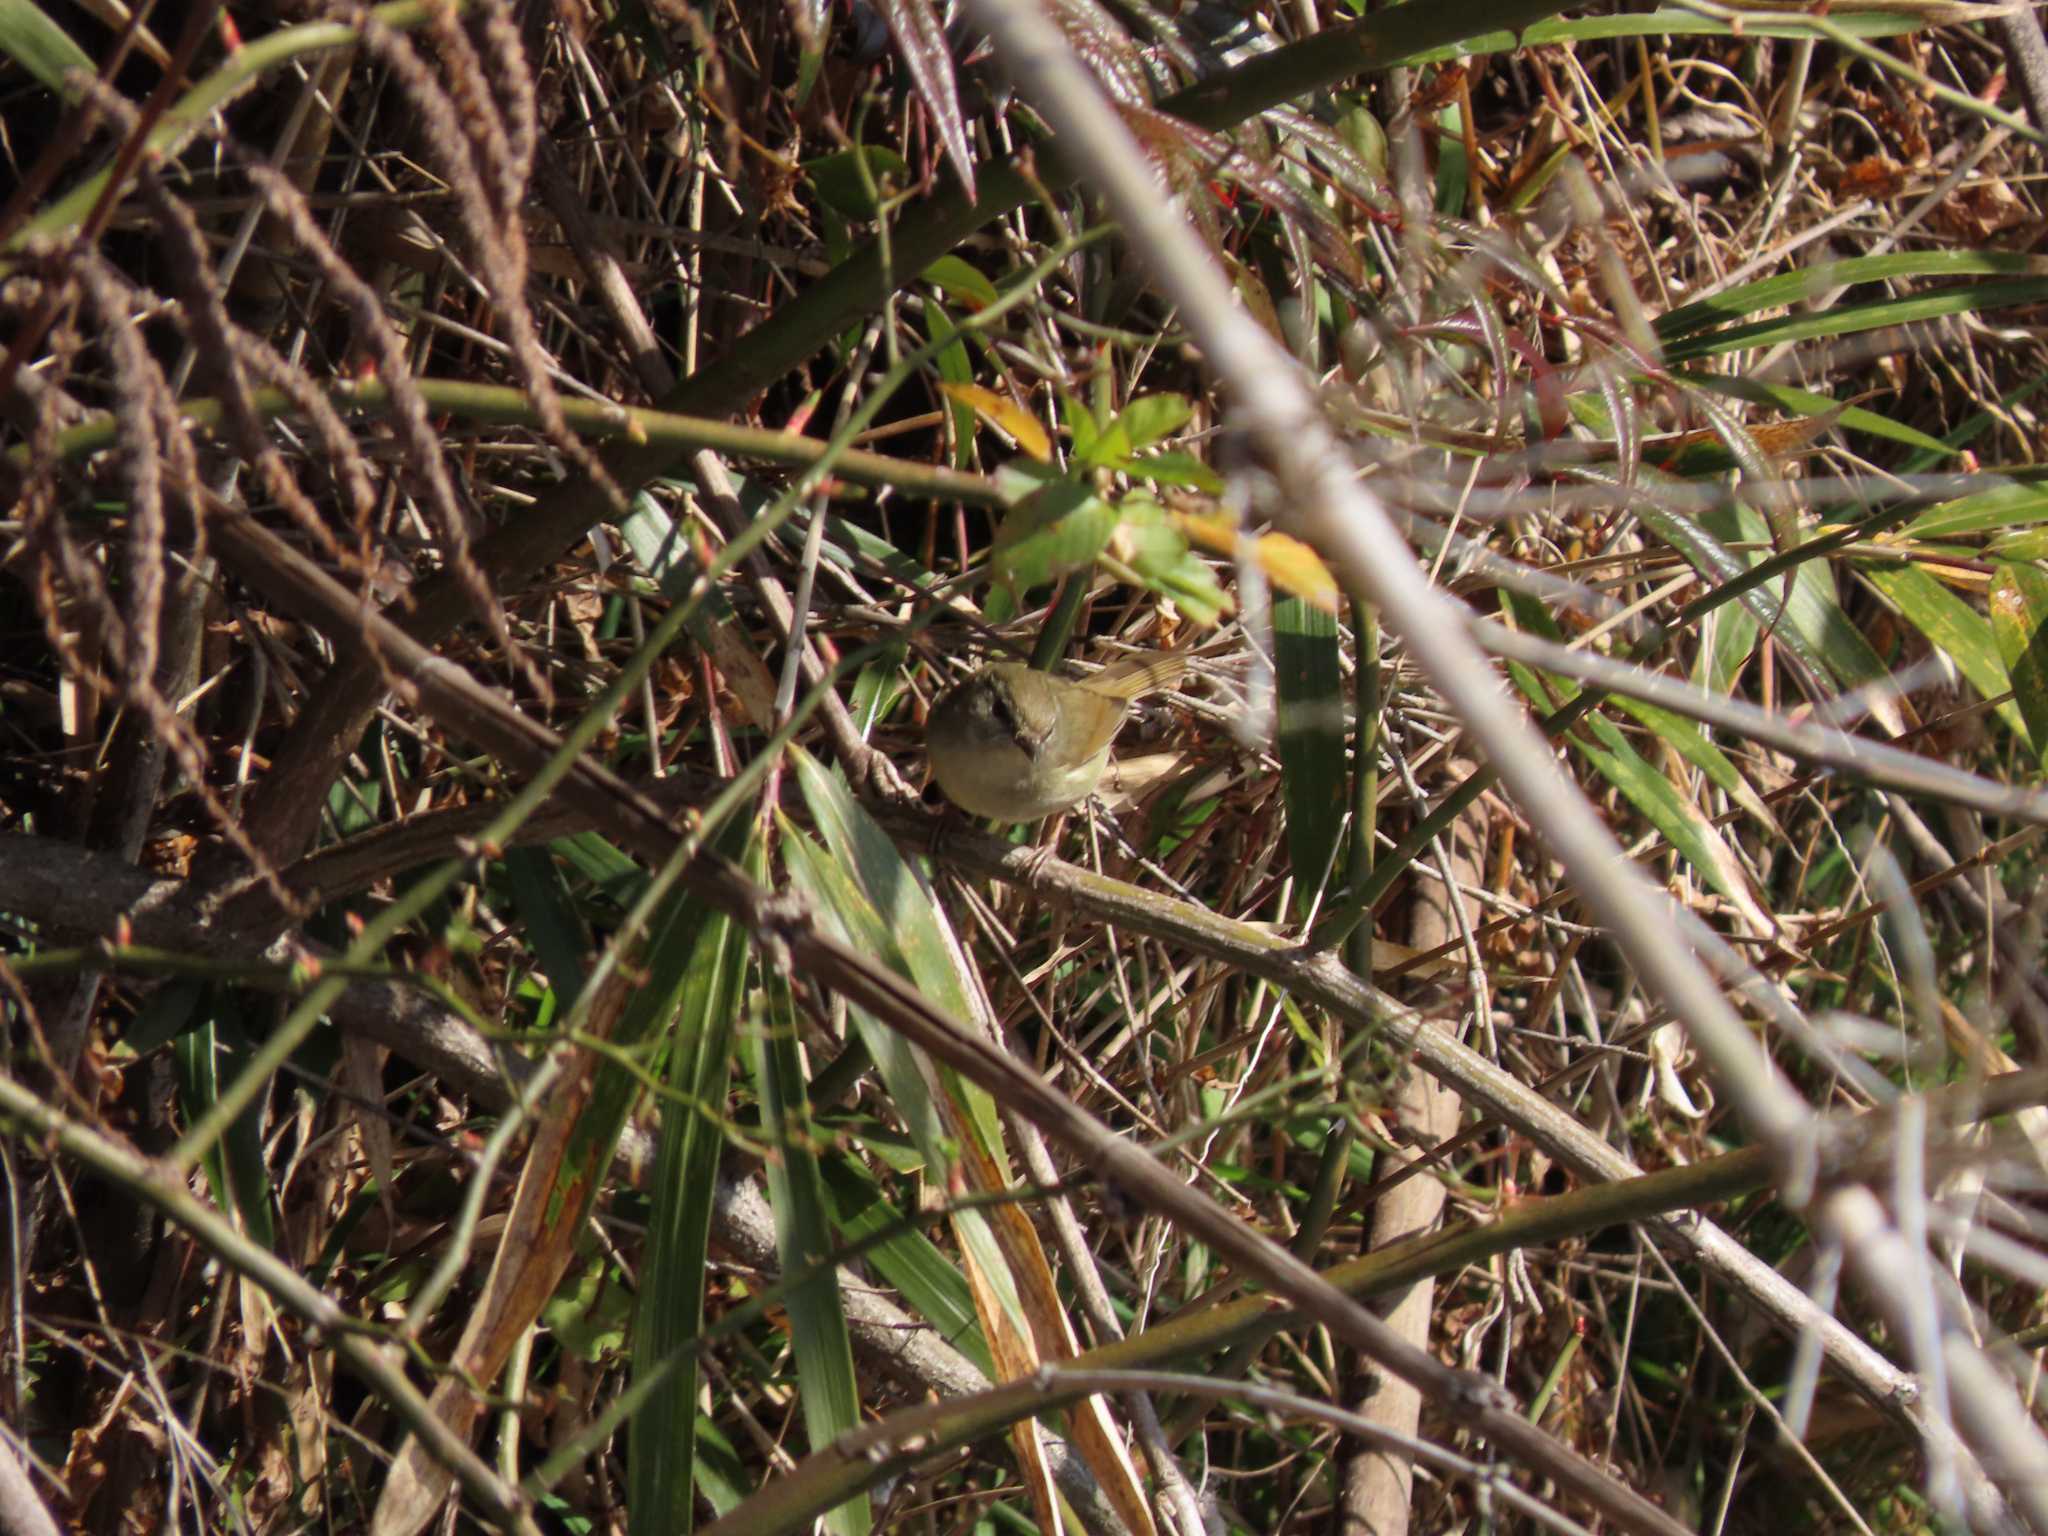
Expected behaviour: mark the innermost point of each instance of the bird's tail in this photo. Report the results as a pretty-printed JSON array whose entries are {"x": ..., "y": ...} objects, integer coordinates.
[{"x": 1136, "y": 676}]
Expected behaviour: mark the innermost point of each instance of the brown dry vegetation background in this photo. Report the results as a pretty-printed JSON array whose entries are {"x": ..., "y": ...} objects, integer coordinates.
[{"x": 495, "y": 1035}]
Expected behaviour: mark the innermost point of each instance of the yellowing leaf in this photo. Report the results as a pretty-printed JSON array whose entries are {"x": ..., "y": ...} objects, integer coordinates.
[
  {"x": 1005, "y": 415},
  {"x": 1288, "y": 563}
]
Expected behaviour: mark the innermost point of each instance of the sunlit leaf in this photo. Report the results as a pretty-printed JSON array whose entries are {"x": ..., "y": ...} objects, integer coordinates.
[
  {"x": 962, "y": 282},
  {"x": 1058, "y": 529},
  {"x": 2019, "y": 612},
  {"x": 1289, "y": 564},
  {"x": 1005, "y": 415},
  {"x": 1150, "y": 418},
  {"x": 41, "y": 47},
  {"x": 1953, "y": 627},
  {"x": 2000, "y": 508},
  {"x": 1172, "y": 467}
]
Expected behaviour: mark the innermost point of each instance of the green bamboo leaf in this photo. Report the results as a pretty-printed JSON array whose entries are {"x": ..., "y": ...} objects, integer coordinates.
[
  {"x": 1453, "y": 170},
  {"x": 897, "y": 918},
  {"x": 235, "y": 1167},
  {"x": 953, "y": 367},
  {"x": 1813, "y": 282},
  {"x": 1804, "y": 402},
  {"x": 1974, "y": 426},
  {"x": 930, "y": 1283},
  {"x": 1309, "y": 679},
  {"x": 1815, "y": 617},
  {"x": 720, "y": 1475},
  {"x": 1701, "y": 542},
  {"x": 616, "y": 876},
  {"x": 540, "y": 895},
  {"x": 914, "y": 1082},
  {"x": 914, "y": 934},
  {"x": 1730, "y": 634},
  {"x": 849, "y": 916},
  {"x": 1954, "y": 628},
  {"x": 2000, "y": 508},
  {"x": 1691, "y": 742},
  {"x": 803, "y": 1236},
  {"x": 1869, "y": 315},
  {"x": 1659, "y": 24},
  {"x": 665, "y": 1465},
  {"x": 35, "y": 42},
  {"x": 2019, "y": 608},
  {"x": 1683, "y": 825}
]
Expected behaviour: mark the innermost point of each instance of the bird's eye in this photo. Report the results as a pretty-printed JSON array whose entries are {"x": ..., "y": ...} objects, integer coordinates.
[{"x": 1003, "y": 707}]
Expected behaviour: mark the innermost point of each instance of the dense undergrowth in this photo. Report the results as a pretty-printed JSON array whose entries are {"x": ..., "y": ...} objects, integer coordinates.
[{"x": 496, "y": 1034}]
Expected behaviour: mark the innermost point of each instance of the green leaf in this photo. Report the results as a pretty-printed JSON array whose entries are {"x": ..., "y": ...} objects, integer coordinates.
[
  {"x": 658, "y": 545},
  {"x": 1150, "y": 418},
  {"x": 931, "y": 1284},
  {"x": 1311, "y": 741},
  {"x": 1689, "y": 741},
  {"x": 850, "y": 917},
  {"x": 2004, "y": 506},
  {"x": 171, "y": 1010},
  {"x": 1363, "y": 133},
  {"x": 2019, "y": 608},
  {"x": 1804, "y": 402},
  {"x": 235, "y": 1166},
  {"x": 665, "y": 1464},
  {"x": 1871, "y": 314},
  {"x": 954, "y": 367},
  {"x": 1453, "y": 170},
  {"x": 1082, "y": 428},
  {"x": 1058, "y": 529},
  {"x": 1811, "y": 625},
  {"x": 353, "y": 804},
  {"x": 803, "y": 1236},
  {"x": 840, "y": 187},
  {"x": 1110, "y": 449},
  {"x": 1156, "y": 552},
  {"x": 35, "y": 42},
  {"x": 1954, "y": 628},
  {"x": 589, "y": 1313},
  {"x": 1700, "y": 543},
  {"x": 890, "y": 911},
  {"x": 1683, "y": 825},
  {"x": 604, "y": 866},
  {"x": 1172, "y": 467},
  {"x": 964, "y": 284},
  {"x": 540, "y": 895},
  {"x": 1731, "y": 633},
  {"x": 1797, "y": 287}
]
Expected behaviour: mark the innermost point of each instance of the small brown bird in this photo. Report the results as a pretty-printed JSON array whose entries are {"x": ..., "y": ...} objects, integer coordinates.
[{"x": 1017, "y": 744}]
